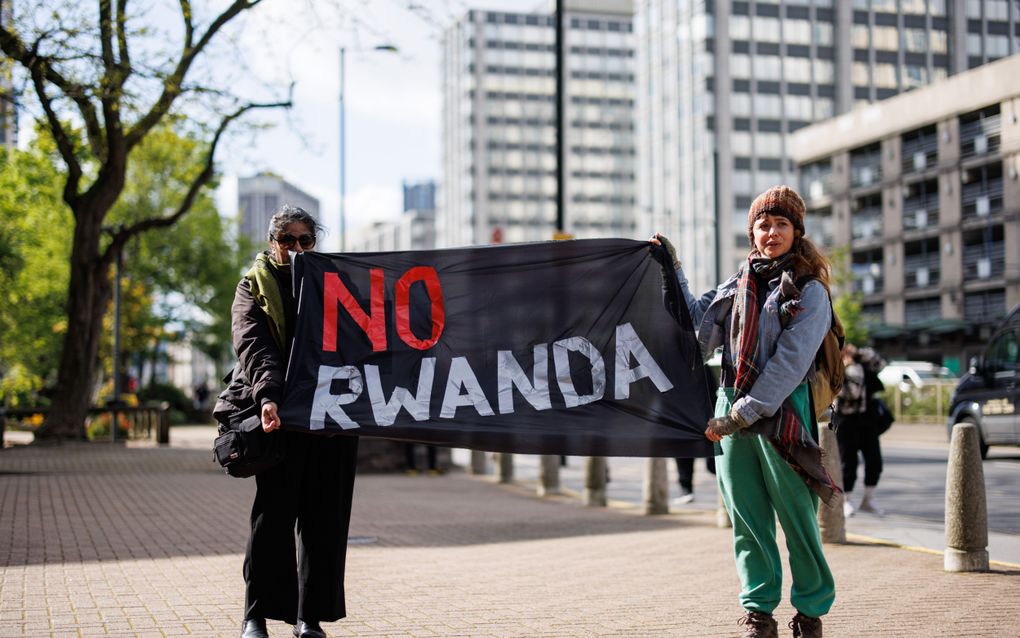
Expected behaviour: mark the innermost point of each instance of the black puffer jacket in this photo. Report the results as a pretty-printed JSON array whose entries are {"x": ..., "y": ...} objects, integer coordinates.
[{"x": 259, "y": 373}]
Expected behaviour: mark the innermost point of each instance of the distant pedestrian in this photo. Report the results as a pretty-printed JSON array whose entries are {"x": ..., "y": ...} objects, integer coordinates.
[
  {"x": 857, "y": 426},
  {"x": 296, "y": 577},
  {"x": 685, "y": 477},
  {"x": 770, "y": 319},
  {"x": 431, "y": 458}
]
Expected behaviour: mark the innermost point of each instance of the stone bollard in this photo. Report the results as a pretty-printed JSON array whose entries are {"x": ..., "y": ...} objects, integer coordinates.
[
  {"x": 656, "y": 487},
  {"x": 479, "y": 462},
  {"x": 595, "y": 482},
  {"x": 506, "y": 467},
  {"x": 549, "y": 475},
  {"x": 722, "y": 517},
  {"x": 831, "y": 521},
  {"x": 966, "y": 509}
]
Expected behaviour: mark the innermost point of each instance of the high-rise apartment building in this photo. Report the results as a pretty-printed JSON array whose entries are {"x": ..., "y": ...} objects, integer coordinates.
[
  {"x": 499, "y": 135},
  {"x": 420, "y": 195},
  {"x": 722, "y": 83},
  {"x": 924, "y": 190},
  {"x": 258, "y": 198}
]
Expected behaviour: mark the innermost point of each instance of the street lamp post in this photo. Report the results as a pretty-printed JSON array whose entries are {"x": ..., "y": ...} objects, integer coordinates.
[{"x": 343, "y": 142}]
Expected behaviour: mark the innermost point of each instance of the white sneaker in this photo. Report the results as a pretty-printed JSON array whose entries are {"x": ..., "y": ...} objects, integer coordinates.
[
  {"x": 870, "y": 506},
  {"x": 683, "y": 499},
  {"x": 848, "y": 508}
]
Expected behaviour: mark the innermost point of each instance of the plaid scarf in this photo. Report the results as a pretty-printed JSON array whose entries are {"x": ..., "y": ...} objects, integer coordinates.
[{"x": 787, "y": 433}]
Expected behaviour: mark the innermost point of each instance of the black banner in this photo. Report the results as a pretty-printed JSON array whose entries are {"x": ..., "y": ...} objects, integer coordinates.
[{"x": 545, "y": 348}]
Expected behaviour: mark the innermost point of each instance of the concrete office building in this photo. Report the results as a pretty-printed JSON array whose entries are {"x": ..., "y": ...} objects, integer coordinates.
[
  {"x": 415, "y": 229},
  {"x": 499, "y": 136},
  {"x": 258, "y": 198},
  {"x": 722, "y": 83},
  {"x": 923, "y": 188}
]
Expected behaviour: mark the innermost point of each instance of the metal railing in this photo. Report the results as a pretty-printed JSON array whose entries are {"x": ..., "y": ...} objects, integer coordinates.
[
  {"x": 926, "y": 404},
  {"x": 150, "y": 422}
]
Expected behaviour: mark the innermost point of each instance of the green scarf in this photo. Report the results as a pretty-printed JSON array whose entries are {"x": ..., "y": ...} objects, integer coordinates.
[{"x": 266, "y": 291}]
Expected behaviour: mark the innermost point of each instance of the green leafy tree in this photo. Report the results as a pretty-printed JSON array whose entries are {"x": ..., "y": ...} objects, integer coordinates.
[
  {"x": 35, "y": 232},
  {"x": 846, "y": 302},
  {"x": 118, "y": 71}
]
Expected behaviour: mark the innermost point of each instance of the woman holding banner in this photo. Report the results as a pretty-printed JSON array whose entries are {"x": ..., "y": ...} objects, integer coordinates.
[
  {"x": 304, "y": 584},
  {"x": 770, "y": 319}
]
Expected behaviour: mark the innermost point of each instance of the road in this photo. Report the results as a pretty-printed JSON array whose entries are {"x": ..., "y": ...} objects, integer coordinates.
[{"x": 911, "y": 490}]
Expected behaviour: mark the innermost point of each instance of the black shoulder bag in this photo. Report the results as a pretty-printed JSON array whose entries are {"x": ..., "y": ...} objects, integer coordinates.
[{"x": 244, "y": 449}]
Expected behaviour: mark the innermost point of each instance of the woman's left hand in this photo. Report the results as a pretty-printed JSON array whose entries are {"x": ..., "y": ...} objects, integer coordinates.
[{"x": 270, "y": 420}]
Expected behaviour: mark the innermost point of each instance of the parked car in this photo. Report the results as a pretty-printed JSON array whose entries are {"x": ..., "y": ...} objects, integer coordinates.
[
  {"x": 911, "y": 375},
  {"x": 988, "y": 394}
]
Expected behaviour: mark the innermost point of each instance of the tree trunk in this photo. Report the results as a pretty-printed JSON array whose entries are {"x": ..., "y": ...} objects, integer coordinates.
[{"x": 88, "y": 294}]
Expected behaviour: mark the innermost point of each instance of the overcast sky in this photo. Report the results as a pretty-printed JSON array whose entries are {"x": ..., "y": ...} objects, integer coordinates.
[{"x": 393, "y": 102}]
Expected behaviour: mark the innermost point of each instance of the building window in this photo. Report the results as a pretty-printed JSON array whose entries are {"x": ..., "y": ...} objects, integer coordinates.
[
  {"x": 866, "y": 217},
  {"x": 984, "y": 253},
  {"x": 921, "y": 263},
  {"x": 818, "y": 225},
  {"x": 921, "y": 205},
  {"x": 981, "y": 194},
  {"x": 866, "y": 166},
  {"x": 920, "y": 311},
  {"x": 866, "y": 267},
  {"x": 920, "y": 149},
  {"x": 816, "y": 179},
  {"x": 987, "y": 306}
]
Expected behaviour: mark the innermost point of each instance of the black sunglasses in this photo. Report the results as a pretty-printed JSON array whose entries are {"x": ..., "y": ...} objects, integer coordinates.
[{"x": 306, "y": 241}]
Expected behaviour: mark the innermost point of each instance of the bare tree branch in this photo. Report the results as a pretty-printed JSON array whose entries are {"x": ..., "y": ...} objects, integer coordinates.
[
  {"x": 106, "y": 34},
  {"x": 189, "y": 24},
  {"x": 12, "y": 45},
  {"x": 172, "y": 85},
  {"x": 65, "y": 145},
  {"x": 124, "y": 61},
  {"x": 124, "y": 234}
]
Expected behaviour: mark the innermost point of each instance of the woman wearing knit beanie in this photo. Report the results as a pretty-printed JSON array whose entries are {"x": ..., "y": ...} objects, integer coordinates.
[{"x": 770, "y": 319}]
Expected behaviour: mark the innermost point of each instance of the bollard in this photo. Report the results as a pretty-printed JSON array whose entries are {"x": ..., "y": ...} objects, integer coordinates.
[
  {"x": 595, "y": 482},
  {"x": 722, "y": 517},
  {"x": 656, "y": 487},
  {"x": 831, "y": 521},
  {"x": 479, "y": 464},
  {"x": 549, "y": 475},
  {"x": 506, "y": 468},
  {"x": 966, "y": 509}
]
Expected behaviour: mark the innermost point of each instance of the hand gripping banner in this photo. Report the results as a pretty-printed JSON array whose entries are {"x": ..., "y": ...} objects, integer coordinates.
[{"x": 546, "y": 348}]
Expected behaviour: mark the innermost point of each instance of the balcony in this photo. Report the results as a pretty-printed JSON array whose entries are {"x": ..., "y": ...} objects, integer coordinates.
[
  {"x": 984, "y": 261},
  {"x": 919, "y": 311},
  {"x": 866, "y": 166},
  {"x": 980, "y": 132},
  {"x": 981, "y": 193},
  {"x": 987, "y": 306},
  {"x": 921, "y": 270},
  {"x": 920, "y": 150},
  {"x": 816, "y": 180}
]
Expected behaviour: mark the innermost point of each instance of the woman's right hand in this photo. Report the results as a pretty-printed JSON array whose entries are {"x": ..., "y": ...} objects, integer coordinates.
[
  {"x": 658, "y": 239},
  {"x": 270, "y": 420}
]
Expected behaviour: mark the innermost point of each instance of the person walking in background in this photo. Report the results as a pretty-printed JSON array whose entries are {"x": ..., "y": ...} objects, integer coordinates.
[
  {"x": 431, "y": 458},
  {"x": 293, "y": 576},
  {"x": 857, "y": 426},
  {"x": 770, "y": 319},
  {"x": 685, "y": 477}
]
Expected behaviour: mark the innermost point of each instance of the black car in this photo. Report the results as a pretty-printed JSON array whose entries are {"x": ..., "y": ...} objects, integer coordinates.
[{"x": 989, "y": 393}]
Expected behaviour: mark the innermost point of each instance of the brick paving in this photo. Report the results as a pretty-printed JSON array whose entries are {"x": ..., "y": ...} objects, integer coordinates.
[{"x": 104, "y": 540}]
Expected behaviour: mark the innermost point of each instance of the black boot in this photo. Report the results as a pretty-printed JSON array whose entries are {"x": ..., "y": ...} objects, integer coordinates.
[
  {"x": 306, "y": 629},
  {"x": 254, "y": 628}
]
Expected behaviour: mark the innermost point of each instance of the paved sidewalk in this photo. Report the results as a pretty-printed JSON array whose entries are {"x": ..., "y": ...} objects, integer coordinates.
[{"x": 100, "y": 540}]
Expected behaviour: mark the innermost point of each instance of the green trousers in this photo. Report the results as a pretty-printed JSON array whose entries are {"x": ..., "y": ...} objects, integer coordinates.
[{"x": 757, "y": 485}]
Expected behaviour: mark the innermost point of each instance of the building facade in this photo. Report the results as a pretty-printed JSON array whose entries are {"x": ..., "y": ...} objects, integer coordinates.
[
  {"x": 499, "y": 135},
  {"x": 420, "y": 195},
  {"x": 258, "y": 198},
  {"x": 921, "y": 195},
  {"x": 722, "y": 84}
]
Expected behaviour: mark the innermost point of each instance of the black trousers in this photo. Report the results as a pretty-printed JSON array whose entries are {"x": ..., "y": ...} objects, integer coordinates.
[
  {"x": 298, "y": 572},
  {"x": 685, "y": 472},
  {"x": 857, "y": 434}
]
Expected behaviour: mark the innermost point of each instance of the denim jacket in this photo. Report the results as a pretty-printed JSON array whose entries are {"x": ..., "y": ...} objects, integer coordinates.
[{"x": 785, "y": 353}]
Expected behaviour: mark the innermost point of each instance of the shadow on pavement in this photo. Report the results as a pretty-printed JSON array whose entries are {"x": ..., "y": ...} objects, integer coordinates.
[{"x": 97, "y": 502}]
